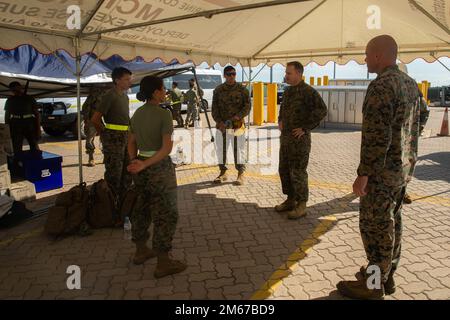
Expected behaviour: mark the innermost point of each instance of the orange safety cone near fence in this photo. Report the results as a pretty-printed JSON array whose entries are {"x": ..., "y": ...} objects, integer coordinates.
[{"x": 444, "y": 127}]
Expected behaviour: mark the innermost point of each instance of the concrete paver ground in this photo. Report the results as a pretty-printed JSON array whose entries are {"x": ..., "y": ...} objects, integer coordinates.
[{"x": 235, "y": 245}]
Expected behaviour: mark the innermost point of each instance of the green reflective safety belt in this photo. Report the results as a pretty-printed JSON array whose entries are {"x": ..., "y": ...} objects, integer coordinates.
[
  {"x": 147, "y": 154},
  {"x": 116, "y": 127}
]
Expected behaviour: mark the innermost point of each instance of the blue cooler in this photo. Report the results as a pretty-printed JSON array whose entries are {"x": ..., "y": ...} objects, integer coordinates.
[{"x": 42, "y": 168}]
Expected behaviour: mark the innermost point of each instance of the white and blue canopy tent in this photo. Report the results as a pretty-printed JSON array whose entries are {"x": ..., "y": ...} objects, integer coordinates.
[{"x": 248, "y": 32}]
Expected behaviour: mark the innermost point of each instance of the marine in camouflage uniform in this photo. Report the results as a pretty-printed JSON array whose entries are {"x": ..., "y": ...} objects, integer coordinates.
[
  {"x": 156, "y": 203},
  {"x": 301, "y": 107},
  {"x": 389, "y": 144},
  {"x": 176, "y": 97},
  {"x": 115, "y": 112},
  {"x": 390, "y": 134},
  {"x": 155, "y": 181},
  {"x": 88, "y": 110},
  {"x": 231, "y": 102},
  {"x": 191, "y": 99}
]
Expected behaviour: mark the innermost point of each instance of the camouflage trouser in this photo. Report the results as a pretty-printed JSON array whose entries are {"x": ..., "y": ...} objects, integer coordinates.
[
  {"x": 294, "y": 158},
  {"x": 176, "y": 114},
  {"x": 192, "y": 113},
  {"x": 380, "y": 223},
  {"x": 90, "y": 133},
  {"x": 225, "y": 140},
  {"x": 156, "y": 188},
  {"x": 116, "y": 161}
]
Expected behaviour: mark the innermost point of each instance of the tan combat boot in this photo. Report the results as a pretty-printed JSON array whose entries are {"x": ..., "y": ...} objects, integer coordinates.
[
  {"x": 358, "y": 290},
  {"x": 287, "y": 205},
  {"x": 389, "y": 286},
  {"x": 240, "y": 179},
  {"x": 298, "y": 212},
  {"x": 143, "y": 253},
  {"x": 222, "y": 177},
  {"x": 91, "y": 162},
  {"x": 167, "y": 266}
]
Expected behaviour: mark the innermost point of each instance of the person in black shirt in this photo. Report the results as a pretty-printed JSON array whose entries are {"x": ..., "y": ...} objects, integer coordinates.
[{"x": 22, "y": 116}]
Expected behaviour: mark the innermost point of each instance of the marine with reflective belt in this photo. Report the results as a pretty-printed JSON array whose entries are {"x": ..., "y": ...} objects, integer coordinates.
[
  {"x": 301, "y": 111},
  {"x": 389, "y": 145},
  {"x": 114, "y": 109},
  {"x": 192, "y": 100},
  {"x": 231, "y": 104},
  {"x": 88, "y": 110},
  {"x": 176, "y": 97},
  {"x": 149, "y": 145},
  {"x": 22, "y": 116}
]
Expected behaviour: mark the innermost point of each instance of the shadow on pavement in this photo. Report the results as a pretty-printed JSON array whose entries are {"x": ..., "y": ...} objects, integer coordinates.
[
  {"x": 434, "y": 166},
  {"x": 231, "y": 248}
]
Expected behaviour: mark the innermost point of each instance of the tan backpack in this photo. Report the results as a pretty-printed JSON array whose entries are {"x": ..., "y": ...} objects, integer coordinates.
[
  {"x": 102, "y": 208},
  {"x": 68, "y": 216}
]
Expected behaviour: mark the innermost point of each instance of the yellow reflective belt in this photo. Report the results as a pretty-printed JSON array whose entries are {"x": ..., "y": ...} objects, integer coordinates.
[
  {"x": 116, "y": 127},
  {"x": 147, "y": 154}
]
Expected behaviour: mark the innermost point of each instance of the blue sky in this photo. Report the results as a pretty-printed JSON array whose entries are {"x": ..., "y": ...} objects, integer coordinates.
[{"x": 420, "y": 70}]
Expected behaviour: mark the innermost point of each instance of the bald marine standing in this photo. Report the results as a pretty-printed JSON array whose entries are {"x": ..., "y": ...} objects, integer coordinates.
[{"x": 390, "y": 134}]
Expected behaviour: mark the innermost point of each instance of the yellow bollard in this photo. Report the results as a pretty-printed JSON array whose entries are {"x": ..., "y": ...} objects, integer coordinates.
[
  {"x": 425, "y": 86},
  {"x": 258, "y": 103},
  {"x": 319, "y": 81},
  {"x": 272, "y": 98},
  {"x": 325, "y": 80},
  {"x": 311, "y": 81},
  {"x": 420, "y": 85}
]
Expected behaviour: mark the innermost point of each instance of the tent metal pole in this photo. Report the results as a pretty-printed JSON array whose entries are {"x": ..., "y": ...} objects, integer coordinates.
[
  {"x": 430, "y": 16},
  {"x": 251, "y": 107},
  {"x": 259, "y": 71},
  {"x": 200, "y": 104},
  {"x": 89, "y": 19},
  {"x": 65, "y": 65},
  {"x": 78, "y": 74},
  {"x": 289, "y": 28},
  {"x": 436, "y": 59},
  {"x": 90, "y": 53}
]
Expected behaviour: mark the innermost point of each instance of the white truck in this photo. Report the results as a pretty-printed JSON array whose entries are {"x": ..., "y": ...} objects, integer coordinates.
[{"x": 208, "y": 80}]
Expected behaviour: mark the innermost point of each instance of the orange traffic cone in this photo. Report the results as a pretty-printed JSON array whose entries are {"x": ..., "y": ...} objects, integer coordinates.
[{"x": 444, "y": 127}]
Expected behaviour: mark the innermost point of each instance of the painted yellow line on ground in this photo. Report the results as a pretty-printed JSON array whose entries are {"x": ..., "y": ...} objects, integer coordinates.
[
  {"x": 286, "y": 269},
  {"x": 22, "y": 236}
]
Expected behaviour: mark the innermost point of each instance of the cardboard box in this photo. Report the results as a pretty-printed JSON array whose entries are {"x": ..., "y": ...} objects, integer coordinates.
[
  {"x": 5, "y": 180},
  {"x": 22, "y": 191}
]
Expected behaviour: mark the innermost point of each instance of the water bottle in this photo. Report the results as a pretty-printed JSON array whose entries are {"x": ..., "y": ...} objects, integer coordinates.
[
  {"x": 127, "y": 229},
  {"x": 180, "y": 155}
]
